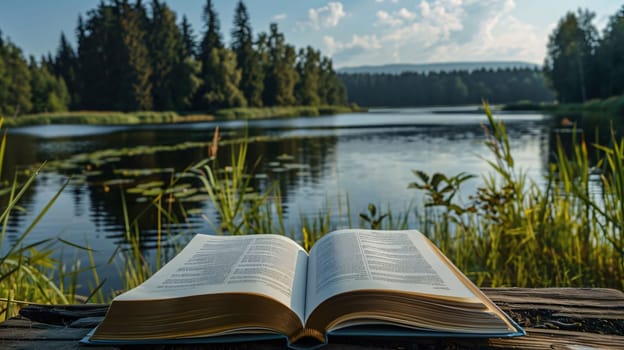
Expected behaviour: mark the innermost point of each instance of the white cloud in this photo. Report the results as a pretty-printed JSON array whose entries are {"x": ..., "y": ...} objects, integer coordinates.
[
  {"x": 406, "y": 14},
  {"x": 452, "y": 30},
  {"x": 326, "y": 16},
  {"x": 384, "y": 18},
  {"x": 425, "y": 9},
  {"x": 279, "y": 17},
  {"x": 358, "y": 42}
]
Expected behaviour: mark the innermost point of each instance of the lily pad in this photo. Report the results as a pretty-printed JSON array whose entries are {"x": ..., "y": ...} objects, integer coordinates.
[
  {"x": 151, "y": 184},
  {"x": 285, "y": 157},
  {"x": 196, "y": 198},
  {"x": 195, "y": 211},
  {"x": 115, "y": 182}
]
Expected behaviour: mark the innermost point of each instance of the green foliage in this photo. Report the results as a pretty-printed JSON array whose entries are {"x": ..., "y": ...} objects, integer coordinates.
[
  {"x": 28, "y": 272},
  {"x": 279, "y": 112},
  {"x": 15, "y": 91},
  {"x": 65, "y": 66},
  {"x": 412, "y": 89},
  {"x": 220, "y": 76},
  {"x": 188, "y": 38},
  {"x": 308, "y": 68},
  {"x": 113, "y": 58},
  {"x": 173, "y": 79},
  {"x": 252, "y": 74},
  {"x": 49, "y": 94},
  {"x": 568, "y": 64},
  {"x": 281, "y": 75},
  {"x": 94, "y": 118},
  {"x": 239, "y": 207},
  {"x": 580, "y": 65},
  {"x": 220, "y": 89},
  {"x": 441, "y": 189},
  {"x": 520, "y": 233},
  {"x": 135, "y": 86},
  {"x": 610, "y": 57},
  {"x": 373, "y": 220},
  {"x": 131, "y": 59},
  {"x": 331, "y": 91}
]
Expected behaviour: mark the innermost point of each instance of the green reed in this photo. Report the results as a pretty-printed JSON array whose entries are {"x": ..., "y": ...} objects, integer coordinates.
[
  {"x": 516, "y": 232},
  {"x": 28, "y": 271}
]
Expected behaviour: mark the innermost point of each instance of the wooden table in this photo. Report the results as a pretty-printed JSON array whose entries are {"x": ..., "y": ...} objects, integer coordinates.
[{"x": 554, "y": 318}]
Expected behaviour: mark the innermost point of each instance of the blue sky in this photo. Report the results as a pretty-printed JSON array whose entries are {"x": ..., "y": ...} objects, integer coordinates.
[{"x": 352, "y": 32}]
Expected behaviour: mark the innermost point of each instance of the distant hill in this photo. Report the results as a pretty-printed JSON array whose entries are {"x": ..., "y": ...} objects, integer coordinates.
[{"x": 436, "y": 67}]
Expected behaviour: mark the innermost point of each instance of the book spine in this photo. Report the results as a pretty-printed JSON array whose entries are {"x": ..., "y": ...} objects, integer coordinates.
[{"x": 307, "y": 339}]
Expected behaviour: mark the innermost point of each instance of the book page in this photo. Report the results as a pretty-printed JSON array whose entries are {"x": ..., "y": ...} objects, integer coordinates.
[
  {"x": 272, "y": 265},
  {"x": 350, "y": 260}
]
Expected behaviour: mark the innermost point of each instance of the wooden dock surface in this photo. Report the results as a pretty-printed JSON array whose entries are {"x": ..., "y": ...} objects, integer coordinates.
[{"x": 554, "y": 318}]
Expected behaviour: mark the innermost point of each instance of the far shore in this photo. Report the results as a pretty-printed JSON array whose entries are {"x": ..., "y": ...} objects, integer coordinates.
[
  {"x": 171, "y": 117},
  {"x": 612, "y": 106}
]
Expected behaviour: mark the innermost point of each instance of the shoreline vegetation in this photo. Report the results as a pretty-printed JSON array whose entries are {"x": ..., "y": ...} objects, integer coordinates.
[
  {"x": 513, "y": 231},
  {"x": 172, "y": 117},
  {"x": 613, "y": 106}
]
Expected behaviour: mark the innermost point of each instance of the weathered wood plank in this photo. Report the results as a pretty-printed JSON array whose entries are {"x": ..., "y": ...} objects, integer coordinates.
[
  {"x": 51, "y": 333},
  {"x": 47, "y": 345},
  {"x": 559, "y": 312},
  {"x": 554, "y": 339},
  {"x": 558, "y": 296},
  {"x": 62, "y": 314}
]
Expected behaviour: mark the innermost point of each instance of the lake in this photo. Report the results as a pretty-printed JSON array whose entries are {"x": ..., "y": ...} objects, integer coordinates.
[{"x": 318, "y": 161}]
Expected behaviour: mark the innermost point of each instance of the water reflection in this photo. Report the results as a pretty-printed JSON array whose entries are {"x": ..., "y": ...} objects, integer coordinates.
[{"x": 316, "y": 161}]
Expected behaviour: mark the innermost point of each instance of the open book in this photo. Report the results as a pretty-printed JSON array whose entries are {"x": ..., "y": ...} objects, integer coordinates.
[{"x": 353, "y": 282}]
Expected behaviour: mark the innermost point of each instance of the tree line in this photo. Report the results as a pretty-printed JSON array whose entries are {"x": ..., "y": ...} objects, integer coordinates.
[
  {"x": 581, "y": 64},
  {"x": 128, "y": 59},
  {"x": 447, "y": 88}
]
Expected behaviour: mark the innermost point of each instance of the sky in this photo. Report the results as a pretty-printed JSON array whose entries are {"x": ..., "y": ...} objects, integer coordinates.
[{"x": 351, "y": 32}]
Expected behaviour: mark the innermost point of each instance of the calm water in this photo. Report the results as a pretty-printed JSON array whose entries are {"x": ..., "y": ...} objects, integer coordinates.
[{"x": 318, "y": 161}]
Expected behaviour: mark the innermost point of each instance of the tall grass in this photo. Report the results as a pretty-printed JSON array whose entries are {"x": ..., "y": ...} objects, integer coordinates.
[
  {"x": 513, "y": 231},
  {"x": 165, "y": 117},
  {"x": 28, "y": 270},
  {"x": 517, "y": 232},
  {"x": 282, "y": 111}
]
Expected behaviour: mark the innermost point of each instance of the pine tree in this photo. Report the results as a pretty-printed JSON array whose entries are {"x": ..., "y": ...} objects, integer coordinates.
[
  {"x": 188, "y": 38},
  {"x": 172, "y": 81},
  {"x": 15, "y": 91},
  {"x": 219, "y": 76},
  {"x": 114, "y": 60},
  {"x": 247, "y": 59},
  {"x": 49, "y": 93},
  {"x": 331, "y": 91},
  {"x": 570, "y": 56},
  {"x": 225, "y": 92},
  {"x": 65, "y": 66},
  {"x": 308, "y": 67},
  {"x": 281, "y": 76},
  {"x": 136, "y": 88},
  {"x": 212, "y": 36},
  {"x": 610, "y": 57}
]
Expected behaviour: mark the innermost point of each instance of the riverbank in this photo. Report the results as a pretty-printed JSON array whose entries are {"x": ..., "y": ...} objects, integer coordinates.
[
  {"x": 171, "y": 117},
  {"x": 612, "y": 106}
]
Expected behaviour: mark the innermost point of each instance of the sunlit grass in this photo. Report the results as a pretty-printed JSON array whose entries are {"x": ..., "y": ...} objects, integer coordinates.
[
  {"x": 168, "y": 117},
  {"x": 28, "y": 270},
  {"x": 516, "y": 232},
  {"x": 282, "y": 111}
]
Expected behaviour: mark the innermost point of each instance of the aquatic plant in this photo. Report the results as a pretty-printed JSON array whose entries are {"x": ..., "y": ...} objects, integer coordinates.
[
  {"x": 516, "y": 232},
  {"x": 28, "y": 271}
]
